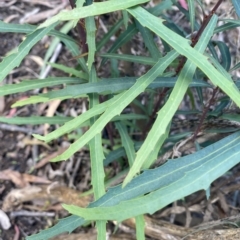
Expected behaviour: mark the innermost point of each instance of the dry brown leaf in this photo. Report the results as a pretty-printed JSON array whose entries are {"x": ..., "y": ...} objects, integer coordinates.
[
  {"x": 34, "y": 141},
  {"x": 27, "y": 15},
  {"x": 10, "y": 18},
  {"x": 37, "y": 17},
  {"x": 7, "y": 4},
  {"x": 223, "y": 234},
  {"x": 13, "y": 176},
  {"x": 160, "y": 229},
  {"x": 52, "y": 107},
  {"x": 180, "y": 209},
  {"x": 42, "y": 194},
  {"x": 46, "y": 160},
  {"x": 92, "y": 236},
  {"x": 223, "y": 202},
  {"x": 21, "y": 180},
  {"x": 38, "y": 60},
  {"x": 35, "y": 179},
  {"x": 46, "y": 3}
]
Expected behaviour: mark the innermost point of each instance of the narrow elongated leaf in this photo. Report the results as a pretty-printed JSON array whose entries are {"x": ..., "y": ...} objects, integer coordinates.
[
  {"x": 26, "y": 28},
  {"x": 213, "y": 50},
  {"x": 165, "y": 115},
  {"x": 231, "y": 21},
  {"x": 97, "y": 157},
  {"x": 96, "y": 8},
  {"x": 68, "y": 41},
  {"x": 140, "y": 226},
  {"x": 130, "y": 58},
  {"x": 236, "y": 5},
  {"x": 36, "y": 120},
  {"x": 235, "y": 67},
  {"x": 225, "y": 55},
  {"x": 158, "y": 9},
  {"x": 198, "y": 171},
  {"x": 110, "y": 33},
  {"x": 191, "y": 7},
  {"x": 121, "y": 100},
  {"x": 122, "y": 39},
  {"x": 105, "y": 86},
  {"x": 173, "y": 179},
  {"x": 70, "y": 70},
  {"x": 120, "y": 152},
  {"x": 52, "y": 47},
  {"x": 13, "y": 60},
  {"x": 26, "y": 85},
  {"x": 227, "y": 26},
  {"x": 76, "y": 122},
  {"x": 127, "y": 142},
  {"x": 91, "y": 31},
  {"x": 64, "y": 225},
  {"x": 149, "y": 41},
  {"x": 74, "y": 49},
  {"x": 182, "y": 46}
]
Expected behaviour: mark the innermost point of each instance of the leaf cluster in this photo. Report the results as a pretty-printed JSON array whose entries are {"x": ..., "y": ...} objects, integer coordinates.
[{"x": 208, "y": 64}]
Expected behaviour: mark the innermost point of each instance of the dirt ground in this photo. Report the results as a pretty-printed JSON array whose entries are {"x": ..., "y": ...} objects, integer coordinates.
[{"x": 32, "y": 189}]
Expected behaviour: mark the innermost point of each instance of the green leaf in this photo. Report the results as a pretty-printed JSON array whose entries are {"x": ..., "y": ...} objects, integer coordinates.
[
  {"x": 191, "y": 6},
  {"x": 154, "y": 154},
  {"x": 213, "y": 50},
  {"x": 140, "y": 226},
  {"x": 35, "y": 120},
  {"x": 68, "y": 41},
  {"x": 122, "y": 39},
  {"x": 13, "y": 60},
  {"x": 26, "y": 85},
  {"x": 108, "y": 35},
  {"x": 173, "y": 179},
  {"x": 121, "y": 100},
  {"x": 70, "y": 70},
  {"x": 183, "y": 176},
  {"x": 53, "y": 45},
  {"x": 94, "y": 9},
  {"x": 227, "y": 26},
  {"x": 91, "y": 31},
  {"x": 26, "y": 28},
  {"x": 79, "y": 3},
  {"x": 182, "y": 46},
  {"x": 130, "y": 58},
  {"x": 225, "y": 55},
  {"x": 127, "y": 142},
  {"x": 76, "y": 122},
  {"x": 64, "y": 225},
  {"x": 159, "y": 8},
  {"x": 74, "y": 49},
  {"x": 105, "y": 86},
  {"x": 236, "y": 5},
  {"x": 165, "y": 115},
  {"x": 97, "y": 157},
  {"x": 149, "y": 41},
  {"x": 95, "y": 145},
  {"x": 235, "y": 67}
]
